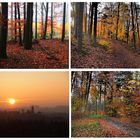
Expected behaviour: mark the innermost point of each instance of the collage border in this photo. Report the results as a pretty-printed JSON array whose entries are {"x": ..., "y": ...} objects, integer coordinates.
[{"x": 69, "y": 70}]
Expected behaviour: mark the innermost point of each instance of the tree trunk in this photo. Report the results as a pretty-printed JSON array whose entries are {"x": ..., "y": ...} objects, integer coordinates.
[
  {"x": 95, "y": 24},
  {"x": 85, "y": 18},
  {"x": 133, "y": 26},
  {"x": 51, "y": 20},
  {"x": 42, "y": 21},
  {"x": 118, "y": 15},
  {"x": 76, "y": 21},
  {"x": 63, "y": 28},
  {"x": 80, "y": 8},
  {"x": 24, "y": 9},
  {"x": 128, "y": 25},
  {"x": 15, "y": 22},
  {"x": 3, "y": 30},
  {"x": 36, "y": 21},
  {"x": 28, "y": 32},
  {"x": 46, "y": 21},
  {"x": 20, "y": 36},
  {"x": 12, "y": 21},
  {"x": 137, "y": 23},
  {"x": 91, "y": 20}
]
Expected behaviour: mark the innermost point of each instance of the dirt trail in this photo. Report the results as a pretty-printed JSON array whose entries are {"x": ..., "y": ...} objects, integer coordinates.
[
  {"x": 123, "y": 56},
  {"x": 131, "y": 130},
  {"x": 114, "y": 55}
]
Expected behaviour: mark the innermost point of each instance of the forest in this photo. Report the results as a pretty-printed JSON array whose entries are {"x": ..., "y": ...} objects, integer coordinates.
[
  {"x": 34, "y": 35},
  {"x": 105, "y": 103},
  {"x": 105, "y": 35}
]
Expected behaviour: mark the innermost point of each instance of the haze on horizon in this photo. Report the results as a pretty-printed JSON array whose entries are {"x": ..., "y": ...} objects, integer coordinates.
[{"x": 45, "y": 89}]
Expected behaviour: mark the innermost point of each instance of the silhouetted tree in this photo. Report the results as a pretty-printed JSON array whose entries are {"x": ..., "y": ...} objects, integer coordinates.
[
  {"x": 3, "y": 30},
  {"x": 95, "y": 23},
  {"x": 51, "y": 20},
  {"x": 20, "y": 36},
  {"x": 46, "y": 21},
  {"x": 80, "y": 10},
  {"x": 36, "y": 20},
  {"x": 63, "y": 28},
  {"x": 28, "y": 26}
]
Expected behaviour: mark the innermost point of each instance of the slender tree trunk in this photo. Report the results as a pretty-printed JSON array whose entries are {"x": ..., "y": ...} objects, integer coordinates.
[
  {"x": 51, "y": 20},
  {"x": 20, "y": 36},
  {"x": 137, "y": 23},
  {"x": 12, "y": 21},
  {"x": 91, "y": 19},
  {"x": 76, "y": 21},
  {"x": 3, "y": 30},
  {"x": 80, "y": 8},
  {"x": 89, "y": 15},
  {"x": 28, "y": 32},
  {"x": 118, "y": 15},
  {"x": 85, "y": 18},
  {"x": 63, "y": 28},
  {"x": 42, "y": 21},
  {"x": 133, "y": 26},
  {"x": 15, "y": 21},
  {"x": 95, "y": 24},
  {"x": 36, "y": 21},
  {"x": 46, "y": 21},
  {"x": 128, "y": 25},
  {"x": 24, "y": 9}
]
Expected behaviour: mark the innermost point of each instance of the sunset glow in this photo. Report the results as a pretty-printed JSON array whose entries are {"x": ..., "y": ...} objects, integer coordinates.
[{"x": 48, "y": 89}]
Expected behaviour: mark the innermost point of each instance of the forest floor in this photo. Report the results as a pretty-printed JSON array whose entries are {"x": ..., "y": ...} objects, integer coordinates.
[
  {"x": 44, "y": 54},
  {"x": 104, "y": 127},
  {"x": 109, "y": 53}
]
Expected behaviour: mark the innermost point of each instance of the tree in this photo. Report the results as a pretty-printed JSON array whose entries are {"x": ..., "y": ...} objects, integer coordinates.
[
  {"x": 20, "y": 36},
  {"x": 28, "y": 26},
  {"x": 12, "y": 35},
  {"x": 117, "y": 20},
  {"x": 15, "y": 21},
  {"x": 42, "y": 21},
  {"x": 36, "y": 20},
  {"x": 46, "y": 21},
  {"x": 91, "y": 19},
  {"x": 80, "y": 9},
  {"x": 24, "y": 9},
  {"x": 136, "y": 10},
  {"x": 3, "y": 30},
  {"x": 133, "y": 26},
  {"x": 95, "y": 24},
  {"x": 85, "y": 18},
  {"x": 51, "y": 20},
  {"x": 64, "y": 16}
]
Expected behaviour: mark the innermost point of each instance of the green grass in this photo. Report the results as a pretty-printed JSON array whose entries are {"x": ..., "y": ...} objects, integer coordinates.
[
  {"x": 87, "y": 130},
  {"x": 89, "y": 125},
  {"x": 97, "y": 116}
]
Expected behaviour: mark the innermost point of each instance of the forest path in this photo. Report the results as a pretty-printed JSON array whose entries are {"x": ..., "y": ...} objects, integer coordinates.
[
  {"x": 123, "y": 56},
  {"x": 109, "y": 53},
  {"x": 132, "y": 130}
]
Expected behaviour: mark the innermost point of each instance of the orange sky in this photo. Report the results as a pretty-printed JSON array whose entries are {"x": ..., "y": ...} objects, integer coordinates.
[{"x": 34, "y": 88}]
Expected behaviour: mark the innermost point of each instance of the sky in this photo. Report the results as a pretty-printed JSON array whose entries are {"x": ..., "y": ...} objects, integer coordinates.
[{"x": 46, "y": 89}]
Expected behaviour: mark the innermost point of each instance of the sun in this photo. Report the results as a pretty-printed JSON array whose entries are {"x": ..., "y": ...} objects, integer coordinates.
[{"x": 12, "y": 101}]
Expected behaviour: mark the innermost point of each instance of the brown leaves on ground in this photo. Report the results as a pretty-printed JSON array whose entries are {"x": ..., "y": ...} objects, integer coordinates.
[
  {"x": 45, "y": 54},
  {"x": 87, "y": 127},
  {"x": 117, "y": 55},
  {"x": 112, "y": 131}
]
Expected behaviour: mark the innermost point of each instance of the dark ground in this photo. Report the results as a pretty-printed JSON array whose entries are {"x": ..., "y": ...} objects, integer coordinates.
[{"x": 34, "y": 125}]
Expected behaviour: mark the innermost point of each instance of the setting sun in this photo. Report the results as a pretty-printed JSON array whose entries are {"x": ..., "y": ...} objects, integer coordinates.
[{"x": 11, "y": 101}]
